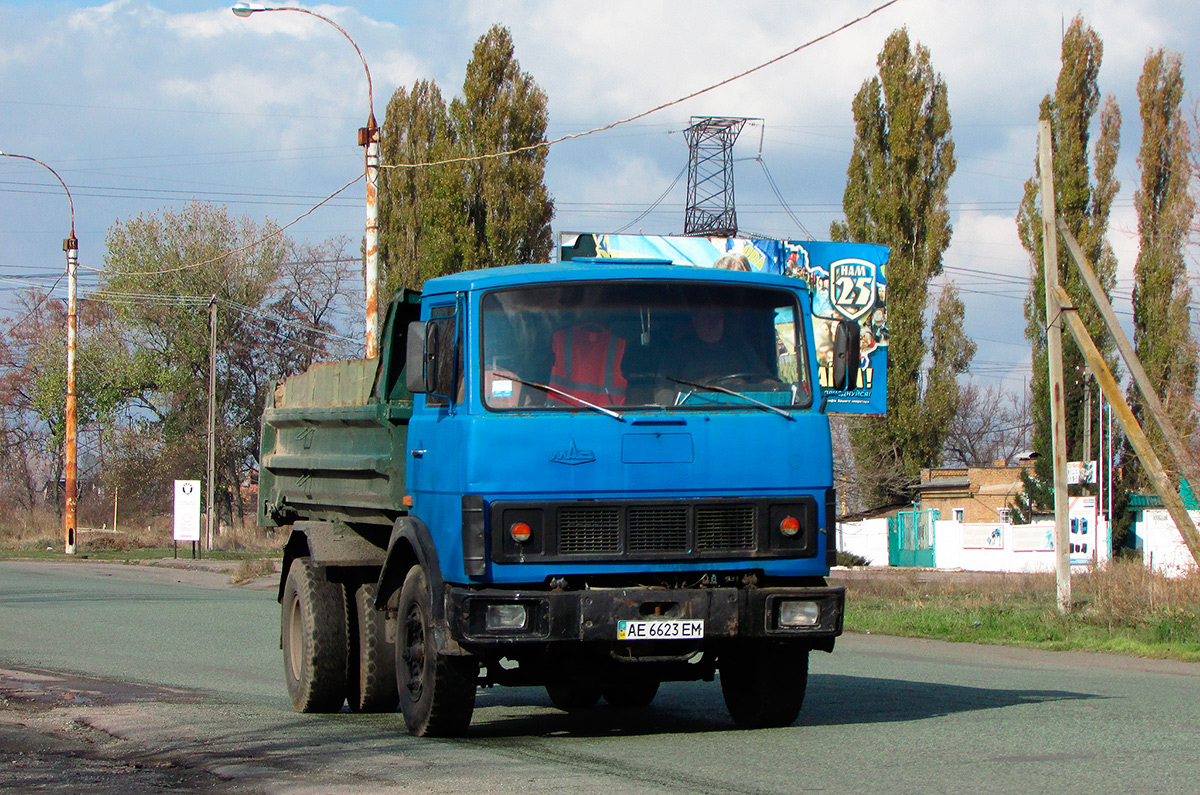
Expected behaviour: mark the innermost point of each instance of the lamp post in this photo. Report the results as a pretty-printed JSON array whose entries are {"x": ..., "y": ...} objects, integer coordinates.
[
  {"x": 368, "y": 138},
  {"x": 70, "y": 456}
]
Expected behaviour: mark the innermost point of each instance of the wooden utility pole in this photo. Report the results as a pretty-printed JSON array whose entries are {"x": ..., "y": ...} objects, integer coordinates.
[
  {"x": 1133, "y": 431},
  {"x": 1154, "y": 469},
  {"x": 1058, "y": 408},
  {"x": 1150, "y": 399},
  {"x": 210, "y": 475}
]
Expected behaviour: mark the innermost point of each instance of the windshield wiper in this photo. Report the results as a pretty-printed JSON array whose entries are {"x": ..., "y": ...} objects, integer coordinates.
[
  {"x": 555, "y": 391},
  {"x": 724, "y": 391}
]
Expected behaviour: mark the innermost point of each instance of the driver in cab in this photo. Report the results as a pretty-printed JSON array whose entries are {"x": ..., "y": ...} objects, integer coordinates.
[{"x": 708, "y": 351}]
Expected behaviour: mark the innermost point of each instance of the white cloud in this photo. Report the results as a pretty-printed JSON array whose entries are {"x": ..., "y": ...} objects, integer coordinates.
[{"x": 125, "y": 95}]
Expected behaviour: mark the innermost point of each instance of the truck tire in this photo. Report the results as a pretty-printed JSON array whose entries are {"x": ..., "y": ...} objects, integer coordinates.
[
  {"x": 764, "y": 685},
  {"x": 635, "y": 694},
  {"x": 570, "y": 696},
  {"x": 371, "y": 682},
  {"x": 437, "y": 692},
  {"x": 315, "y": 640}
]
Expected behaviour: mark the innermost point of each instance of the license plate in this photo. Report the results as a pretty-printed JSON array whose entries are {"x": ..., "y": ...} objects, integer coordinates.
[{"x": 665, "y": 629}]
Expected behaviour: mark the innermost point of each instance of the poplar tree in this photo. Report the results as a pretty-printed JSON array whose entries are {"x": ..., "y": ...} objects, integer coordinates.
[
  {"x": 420, "y": 208},
  {"x": 896, "y": 196},
  {"x": 1162, "y": 332},
  {"x": 484, "y": 208},
  {"x": 1083, "y": 201},
  {"x": 503, "y": 110}
]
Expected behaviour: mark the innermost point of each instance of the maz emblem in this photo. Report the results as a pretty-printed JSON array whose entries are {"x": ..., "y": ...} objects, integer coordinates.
[{"x": 572, "y": 456}]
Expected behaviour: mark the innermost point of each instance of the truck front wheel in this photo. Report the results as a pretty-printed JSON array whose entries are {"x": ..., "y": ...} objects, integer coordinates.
[
  {"x": 314, "y": 638},
  {"x": 764, "y": 685},
  {"x": 437, "y": 692}
]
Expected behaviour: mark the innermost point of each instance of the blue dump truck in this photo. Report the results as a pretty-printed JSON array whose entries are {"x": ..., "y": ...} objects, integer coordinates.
[{"x": 593, "y": 476}]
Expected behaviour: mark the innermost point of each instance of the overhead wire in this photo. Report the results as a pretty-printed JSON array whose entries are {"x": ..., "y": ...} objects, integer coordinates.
[
  {"x": 115, "y": 297},
  {"x": 276, "y": 233},
  {"x": 537, "y": 145},
  {"x": 656, "y": 202},
  {"x": 779, "y": 195},
  {"x": 40, "y": 301},
  {"x": 645, "y": 113}
]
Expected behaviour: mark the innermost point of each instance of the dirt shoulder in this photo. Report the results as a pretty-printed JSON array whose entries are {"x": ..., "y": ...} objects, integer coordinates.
[{"x": 47, "y": 743}]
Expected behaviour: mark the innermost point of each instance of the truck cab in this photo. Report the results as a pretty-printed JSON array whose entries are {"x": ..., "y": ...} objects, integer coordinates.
[{"x": 614, "y": 474}]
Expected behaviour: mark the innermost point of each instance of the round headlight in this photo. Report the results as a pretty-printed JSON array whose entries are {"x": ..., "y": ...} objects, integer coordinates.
[{"x": 789, "y": 526}]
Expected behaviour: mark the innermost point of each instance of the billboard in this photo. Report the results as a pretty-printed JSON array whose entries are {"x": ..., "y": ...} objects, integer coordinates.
[{"x": 847, "y": 281}]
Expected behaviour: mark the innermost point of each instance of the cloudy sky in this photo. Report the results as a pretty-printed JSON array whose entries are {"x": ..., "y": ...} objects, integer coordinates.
[{"x": 145, "y": 105}]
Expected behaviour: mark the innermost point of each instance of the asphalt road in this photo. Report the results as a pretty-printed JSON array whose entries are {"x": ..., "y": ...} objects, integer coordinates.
[{"x": 134, "y": 680}]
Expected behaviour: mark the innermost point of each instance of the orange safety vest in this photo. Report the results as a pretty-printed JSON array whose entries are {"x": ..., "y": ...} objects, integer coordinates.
[{"x": 587, "y": 364}]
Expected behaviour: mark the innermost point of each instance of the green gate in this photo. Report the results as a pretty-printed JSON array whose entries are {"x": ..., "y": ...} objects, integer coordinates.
[{"x": 910, "y": 538}]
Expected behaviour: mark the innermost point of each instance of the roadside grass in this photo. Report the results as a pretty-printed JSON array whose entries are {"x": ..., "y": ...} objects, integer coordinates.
[
  {"x": 40, "y": 538},
  {"x": 252, "y": 570},
  {"x": 1120, "y": 608}
]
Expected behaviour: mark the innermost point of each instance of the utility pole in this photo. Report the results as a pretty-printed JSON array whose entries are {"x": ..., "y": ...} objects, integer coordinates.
[
  {"x": 368, "y": 138},
  {"x": 1058, "y": 408},
  {"x": 70, "y": 451},
  {"x": 71, "y": 418},
  {"x": 211, "y": 473}
]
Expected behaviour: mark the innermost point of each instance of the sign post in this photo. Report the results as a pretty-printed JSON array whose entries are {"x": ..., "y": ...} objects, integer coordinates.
[{"x": 187, "y": 513}]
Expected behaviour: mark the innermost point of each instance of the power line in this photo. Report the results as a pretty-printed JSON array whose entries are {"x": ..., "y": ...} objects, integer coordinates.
[
  {"x": 656, "y": 202},
  {"x": 644, "y": 114},
  {"x": 277, "y": 233},
  {"x": 783, "y": 203}
]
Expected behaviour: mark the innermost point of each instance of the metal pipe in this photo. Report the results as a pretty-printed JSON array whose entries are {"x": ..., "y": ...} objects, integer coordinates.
[
  {"x": 70, "y": 452},
  {"x": 70, "y": 430},
  {"x": 371, "y": 244}
]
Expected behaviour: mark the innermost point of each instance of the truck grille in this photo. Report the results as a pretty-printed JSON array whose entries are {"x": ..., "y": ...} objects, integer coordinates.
[
  {"x": 585, "y": 531},
  {"x": 656, "y": 528},
  {"x": 724, "y": 527}
]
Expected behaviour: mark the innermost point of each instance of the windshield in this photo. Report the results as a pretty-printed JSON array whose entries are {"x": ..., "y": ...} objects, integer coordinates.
[{"x": 629, "y": 345}]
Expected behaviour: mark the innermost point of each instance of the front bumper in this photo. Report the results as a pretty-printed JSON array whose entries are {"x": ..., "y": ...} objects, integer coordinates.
[{"x": 592, "y": 615}]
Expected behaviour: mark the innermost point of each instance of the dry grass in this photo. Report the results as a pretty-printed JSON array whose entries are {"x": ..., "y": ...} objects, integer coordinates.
[
  {"x": 43, "y": 530},
  {"x": 1120, "y": 607},
  {"x": 252, "y": 570},
  {"x": 1127, "y": 592}
]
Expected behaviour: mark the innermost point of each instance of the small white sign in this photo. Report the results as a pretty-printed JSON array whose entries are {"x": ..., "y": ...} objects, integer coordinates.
[
  {"x": 187, "y": 510},
  {"x": 1081, "y": 472}
]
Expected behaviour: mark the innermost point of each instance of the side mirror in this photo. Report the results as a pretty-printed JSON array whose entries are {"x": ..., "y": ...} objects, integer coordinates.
[
  {"x": 845, "y": 356},
  {"x": 415, "y": 376}
]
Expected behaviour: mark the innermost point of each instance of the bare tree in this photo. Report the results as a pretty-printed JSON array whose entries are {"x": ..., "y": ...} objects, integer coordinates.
[{"x": 991, "y": 425}]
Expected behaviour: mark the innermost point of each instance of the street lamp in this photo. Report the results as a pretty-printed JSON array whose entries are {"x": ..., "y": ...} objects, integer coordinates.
[
  {"x": 368, "y": 138},
  {"x": 70, "y": 457}
]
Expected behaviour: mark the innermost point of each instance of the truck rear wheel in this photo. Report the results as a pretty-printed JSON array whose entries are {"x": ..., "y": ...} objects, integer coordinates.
[
  {"x": 315, "y": 639},
  {"x": 437, "y": 691},
  {"x": 764, "y": 686},
  {"x": 371, "y": 685}
]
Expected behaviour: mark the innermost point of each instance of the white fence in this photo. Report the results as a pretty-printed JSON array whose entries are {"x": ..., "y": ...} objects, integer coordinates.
[
  {"x": 867, "y": 539},
  {"x": 993, "y": 547},
  {"x": 1161, "y": 545}
]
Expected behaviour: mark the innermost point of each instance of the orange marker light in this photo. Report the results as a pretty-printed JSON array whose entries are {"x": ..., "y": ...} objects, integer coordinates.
[
  {"x": 520, "y": 532},
  {"x": 789, "y": 526}
]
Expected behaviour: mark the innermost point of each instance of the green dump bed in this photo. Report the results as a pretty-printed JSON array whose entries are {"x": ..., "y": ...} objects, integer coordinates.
[{"x": 333, "y": 438}]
